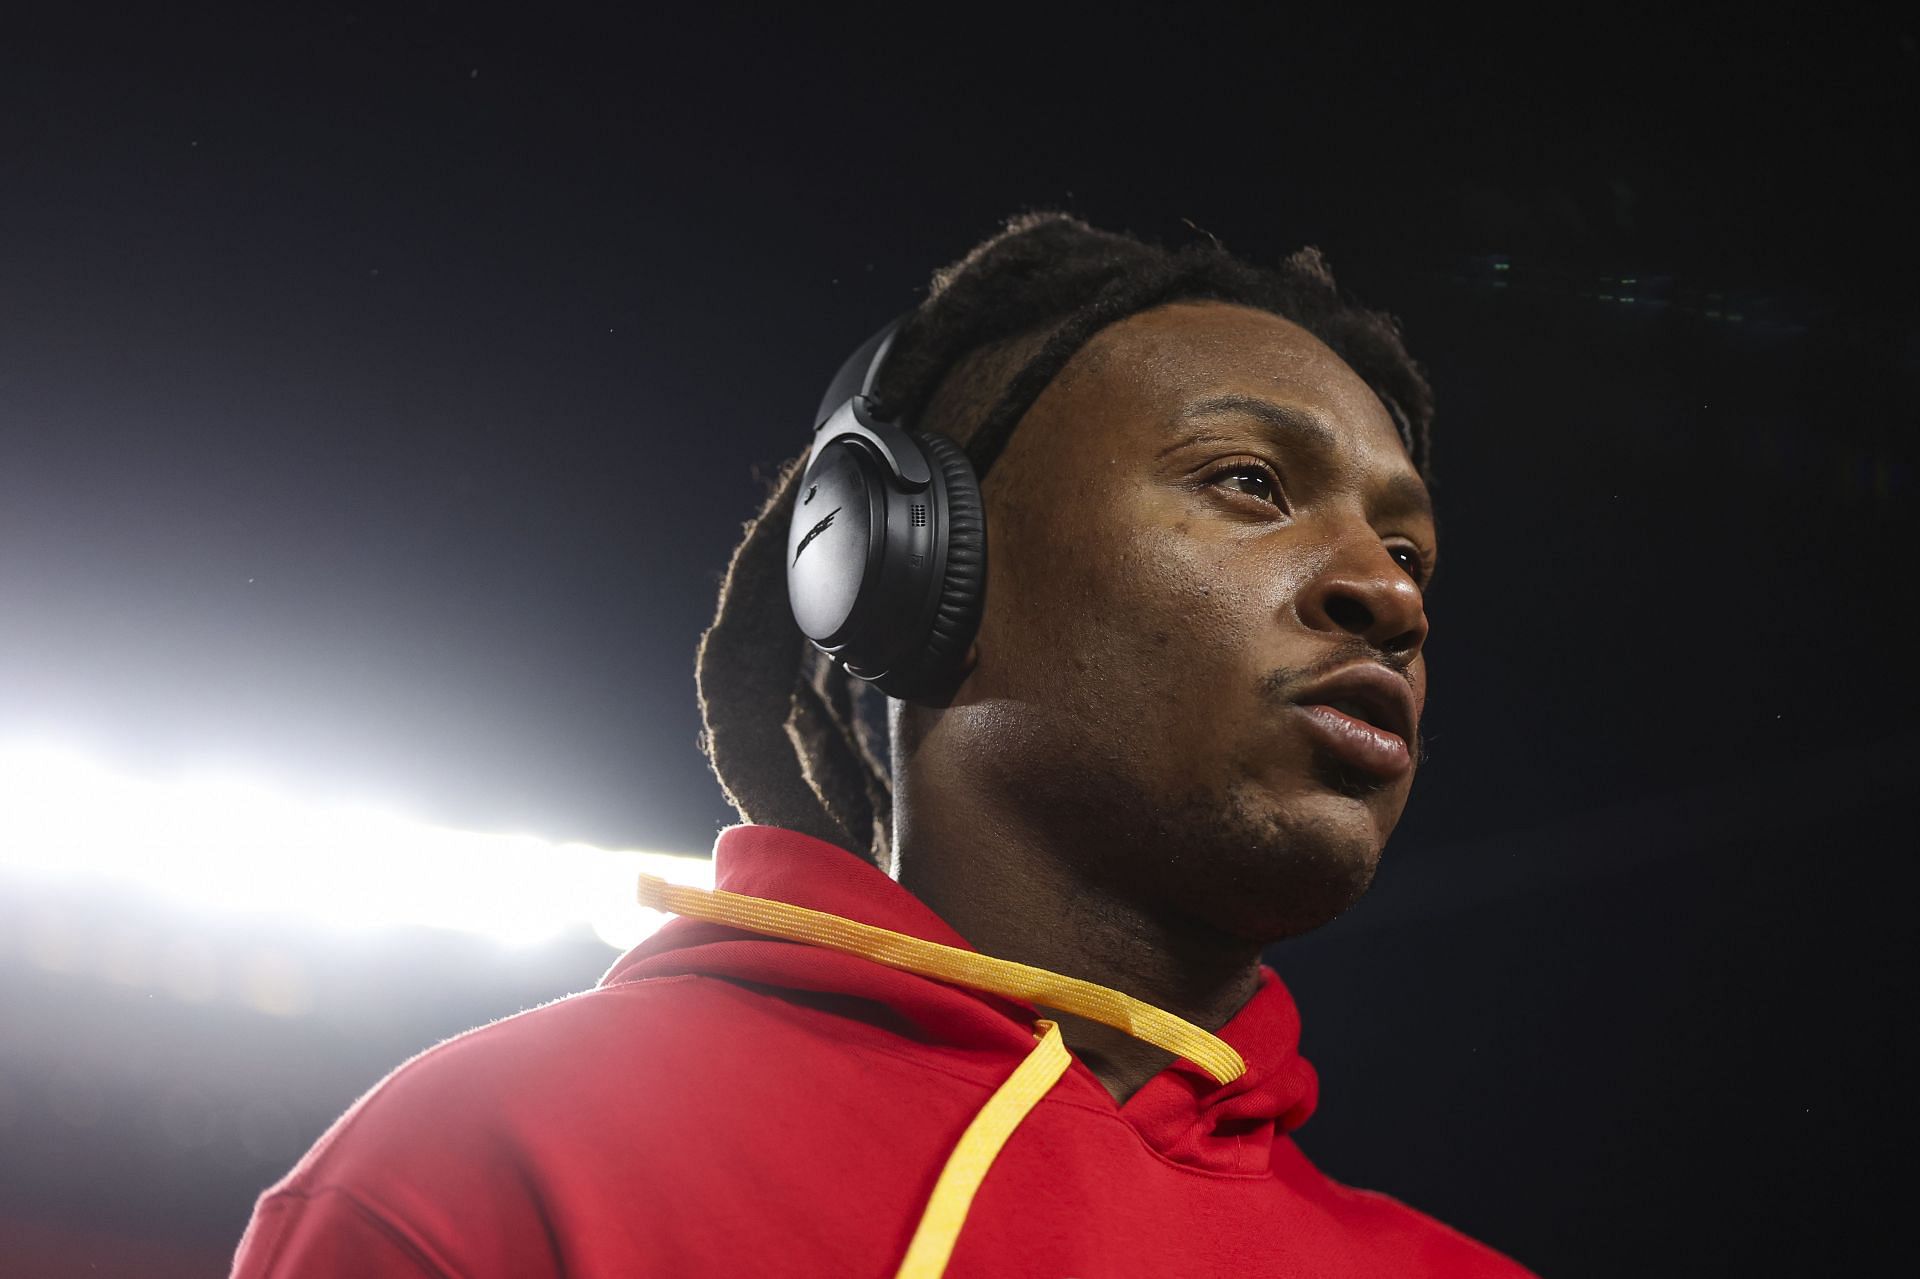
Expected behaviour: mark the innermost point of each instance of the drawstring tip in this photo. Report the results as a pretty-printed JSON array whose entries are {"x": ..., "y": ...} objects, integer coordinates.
[{"x": 651, "y": 892}]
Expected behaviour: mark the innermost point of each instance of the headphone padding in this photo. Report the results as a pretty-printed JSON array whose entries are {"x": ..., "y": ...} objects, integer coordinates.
[{"x": 956, "y": 618}]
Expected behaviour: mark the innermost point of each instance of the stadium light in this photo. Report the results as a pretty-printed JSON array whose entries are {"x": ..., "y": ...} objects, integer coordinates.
[{"x": 234, "y": 844}]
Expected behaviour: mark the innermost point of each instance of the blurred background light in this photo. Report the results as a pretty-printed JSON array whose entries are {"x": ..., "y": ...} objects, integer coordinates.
[{"x": 231, "y": 843}]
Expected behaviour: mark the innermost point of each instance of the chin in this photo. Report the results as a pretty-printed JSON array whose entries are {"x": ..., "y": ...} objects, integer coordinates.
[
  {"x": 1303, "y": 879},
  {"x": 1262, "y": 867}
]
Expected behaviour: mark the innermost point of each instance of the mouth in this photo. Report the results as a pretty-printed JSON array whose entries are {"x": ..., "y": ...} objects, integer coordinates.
[{"x": 1365, "y": 717}]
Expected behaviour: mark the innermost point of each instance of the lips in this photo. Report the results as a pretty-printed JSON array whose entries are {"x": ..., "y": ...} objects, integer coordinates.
[{"x": 1365, "y": 715}]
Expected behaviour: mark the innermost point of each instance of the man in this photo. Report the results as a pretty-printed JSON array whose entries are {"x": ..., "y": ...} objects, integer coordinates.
[{"x": 1182, "y": 728}]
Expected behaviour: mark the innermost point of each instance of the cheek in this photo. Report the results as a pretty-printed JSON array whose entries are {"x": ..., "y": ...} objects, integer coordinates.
[{"x": 1130, "y": 617}]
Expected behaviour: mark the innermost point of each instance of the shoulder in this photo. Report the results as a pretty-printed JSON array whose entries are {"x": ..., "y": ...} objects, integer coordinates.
[
  {"x": 507, "y": 1088},
  {"x": 468, "y": 1150}
]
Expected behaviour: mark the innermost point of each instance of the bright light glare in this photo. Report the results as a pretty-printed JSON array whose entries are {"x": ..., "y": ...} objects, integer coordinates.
[{"x": 237, "y": 845}]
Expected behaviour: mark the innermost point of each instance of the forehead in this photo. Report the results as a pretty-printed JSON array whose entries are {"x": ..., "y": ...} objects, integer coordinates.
[{"x": 1153, "y": 368}]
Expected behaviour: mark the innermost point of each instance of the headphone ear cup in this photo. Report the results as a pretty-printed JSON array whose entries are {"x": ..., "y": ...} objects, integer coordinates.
[{"x": 930, "y": 677}]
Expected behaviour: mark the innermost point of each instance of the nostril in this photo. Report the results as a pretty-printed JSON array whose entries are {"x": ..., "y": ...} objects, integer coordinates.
[
  {"x": 1350, "y": 614},
  {"x": 1405, "y": 642}
]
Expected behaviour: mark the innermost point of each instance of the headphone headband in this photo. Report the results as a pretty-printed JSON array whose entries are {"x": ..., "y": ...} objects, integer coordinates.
[
  {"x": 856, "y": 376},
  {"x": 846, "y": 411}
]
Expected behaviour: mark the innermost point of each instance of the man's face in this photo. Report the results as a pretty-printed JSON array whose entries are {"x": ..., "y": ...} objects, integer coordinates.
[{"x": 1202, "y": 521}]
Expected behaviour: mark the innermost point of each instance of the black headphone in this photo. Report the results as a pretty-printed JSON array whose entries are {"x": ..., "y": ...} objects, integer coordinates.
[{"x": 887, "y": 549}]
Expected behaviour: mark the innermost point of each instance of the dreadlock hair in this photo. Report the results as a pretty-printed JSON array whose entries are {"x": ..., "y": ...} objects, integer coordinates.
[{"x": 793, "y": 739}]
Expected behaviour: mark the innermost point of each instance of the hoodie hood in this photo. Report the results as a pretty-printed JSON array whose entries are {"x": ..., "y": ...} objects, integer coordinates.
[{"x": 1182, "y": 1113}]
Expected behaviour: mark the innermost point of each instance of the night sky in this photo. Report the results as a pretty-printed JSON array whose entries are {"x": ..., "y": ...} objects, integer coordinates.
[{"x": 382, "y": 391}]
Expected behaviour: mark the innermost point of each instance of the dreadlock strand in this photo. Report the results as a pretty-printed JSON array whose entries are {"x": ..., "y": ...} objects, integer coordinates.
[
  {"x": 869, "y": 727},
  {"x": 1115, "y": 300},
  {"x": 745, "y": 690},
  {"x": 848, "y": 701},
  {"x": 828, "y": 764},
  {"x": 851, "y": 781}
]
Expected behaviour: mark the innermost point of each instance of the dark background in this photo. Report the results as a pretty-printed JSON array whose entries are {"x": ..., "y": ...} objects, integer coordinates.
[{"x": 382, "y": 388}]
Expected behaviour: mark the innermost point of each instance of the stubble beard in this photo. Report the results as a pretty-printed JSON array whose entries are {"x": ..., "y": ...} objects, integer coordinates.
[{"x": 1232, "y": 860}]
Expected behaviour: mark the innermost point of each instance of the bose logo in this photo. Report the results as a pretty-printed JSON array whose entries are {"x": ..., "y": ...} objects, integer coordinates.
[{"x": 814, "y": 532}]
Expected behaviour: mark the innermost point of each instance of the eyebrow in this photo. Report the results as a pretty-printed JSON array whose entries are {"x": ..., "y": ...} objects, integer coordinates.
[
  {"x": 1401, "y": 494},
  {"x": 1303, "y": 424}
]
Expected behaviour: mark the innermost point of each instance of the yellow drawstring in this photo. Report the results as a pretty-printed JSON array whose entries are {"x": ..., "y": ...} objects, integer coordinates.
[
  {"x": 946, "y": 1211},
  {"x": 967, "y": 1166},
  {"x": 948, "y": 963}
]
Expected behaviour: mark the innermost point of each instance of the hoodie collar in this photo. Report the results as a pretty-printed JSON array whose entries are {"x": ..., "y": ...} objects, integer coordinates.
[
  {"x": 784, "y": 865},
  {"x": 1182, "y": 1113}
]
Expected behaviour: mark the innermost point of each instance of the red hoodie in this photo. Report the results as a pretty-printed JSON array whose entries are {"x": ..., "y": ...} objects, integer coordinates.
[{"x": 725, "y": 1103}]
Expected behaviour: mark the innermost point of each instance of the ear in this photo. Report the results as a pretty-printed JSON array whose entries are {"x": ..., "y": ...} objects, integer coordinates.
[{"x": 971, "y": 660}]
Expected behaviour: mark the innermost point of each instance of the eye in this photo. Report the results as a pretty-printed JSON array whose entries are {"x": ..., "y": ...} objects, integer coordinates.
[
  {"x": 1410, "y": 559},
  {"x": 1255, "y": 479}
]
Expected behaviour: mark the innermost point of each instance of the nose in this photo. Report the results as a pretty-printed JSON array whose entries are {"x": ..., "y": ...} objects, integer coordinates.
[{"x": 1363, "y": 591}]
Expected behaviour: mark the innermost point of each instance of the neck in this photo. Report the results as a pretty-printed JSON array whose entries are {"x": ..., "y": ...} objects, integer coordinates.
[{"x": 1001, "y": 886}]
